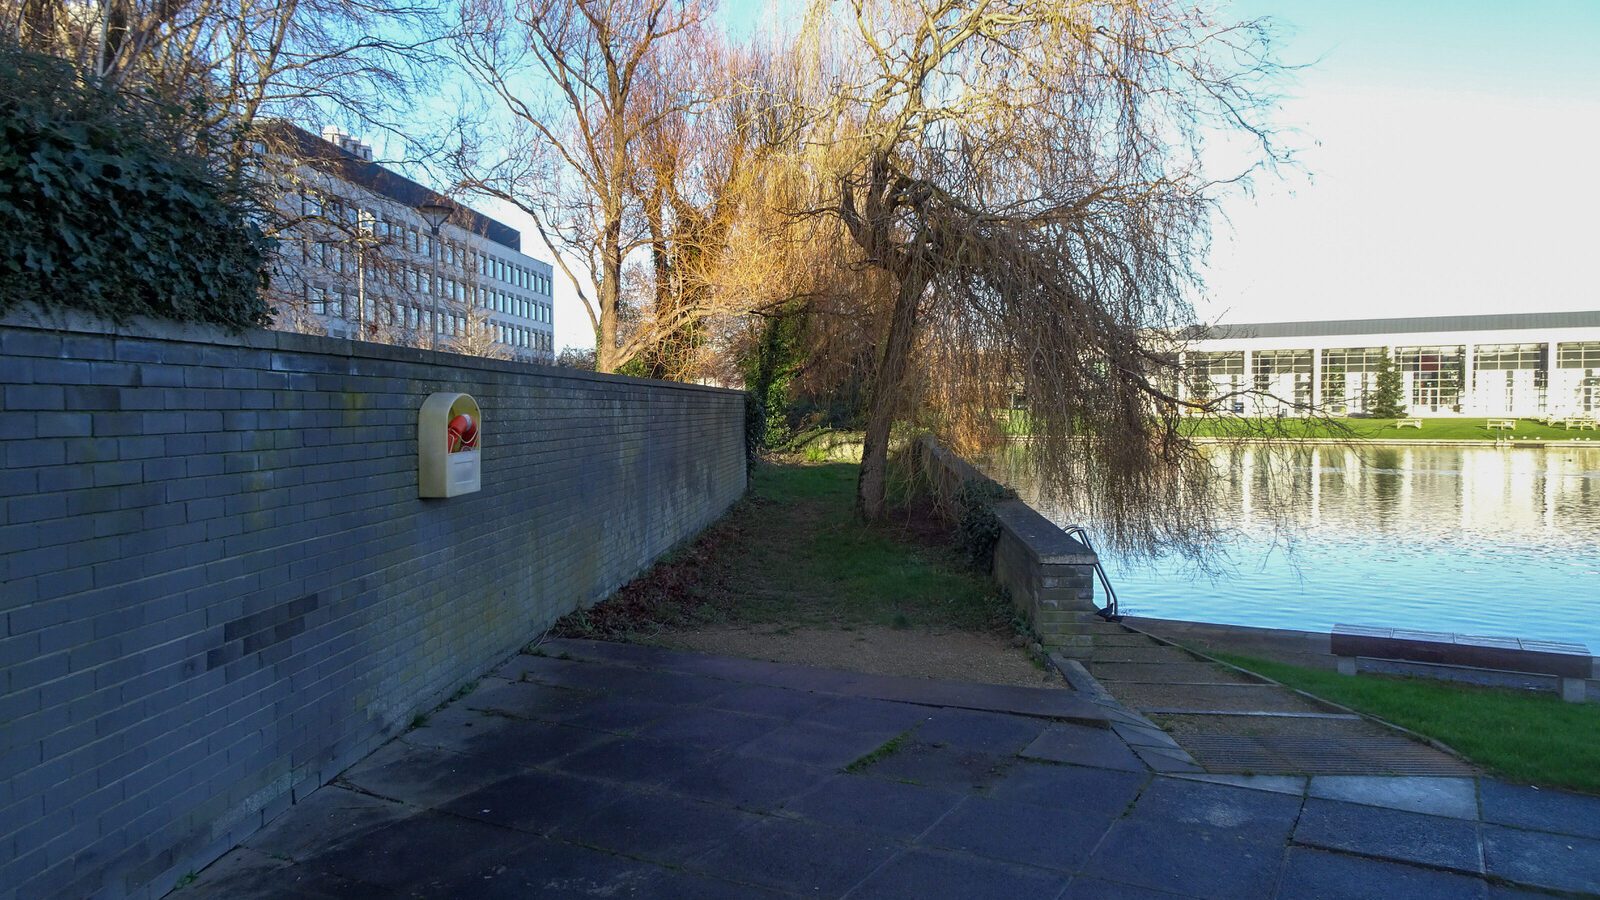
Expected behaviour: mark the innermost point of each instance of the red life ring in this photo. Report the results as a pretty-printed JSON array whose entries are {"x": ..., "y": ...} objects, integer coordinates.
[{"x": 462, "y": 434}]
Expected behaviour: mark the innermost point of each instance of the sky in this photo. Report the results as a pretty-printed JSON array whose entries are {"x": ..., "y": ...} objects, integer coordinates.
[{"x": 1448, "y": 161}]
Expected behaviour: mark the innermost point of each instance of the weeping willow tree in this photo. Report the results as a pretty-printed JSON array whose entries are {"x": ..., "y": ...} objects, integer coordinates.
[{"x": 1029, "y": 176}]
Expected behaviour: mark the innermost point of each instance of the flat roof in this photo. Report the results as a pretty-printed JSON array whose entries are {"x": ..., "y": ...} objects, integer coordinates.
[
  {"x": 1418, "y": 324},
  {"x": 386, "y": 182}
]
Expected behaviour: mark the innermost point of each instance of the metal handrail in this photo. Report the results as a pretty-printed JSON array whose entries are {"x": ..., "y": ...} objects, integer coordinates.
[{"x": 1081, "y": 534}]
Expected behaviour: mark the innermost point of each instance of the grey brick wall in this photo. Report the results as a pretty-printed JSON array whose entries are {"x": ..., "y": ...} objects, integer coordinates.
[{"x": 218, "y": 587}]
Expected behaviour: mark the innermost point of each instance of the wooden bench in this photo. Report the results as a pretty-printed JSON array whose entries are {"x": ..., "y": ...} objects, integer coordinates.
[
  {"x": 1409, "y": 423},
  {"x": 1582, "y": 423},
  {"x": 1502, "y": 424},
  {"x": 1569, "y": 662}
]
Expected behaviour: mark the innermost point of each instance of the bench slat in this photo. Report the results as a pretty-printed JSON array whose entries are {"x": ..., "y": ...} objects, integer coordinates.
[{"x": 1562, "y": 658}]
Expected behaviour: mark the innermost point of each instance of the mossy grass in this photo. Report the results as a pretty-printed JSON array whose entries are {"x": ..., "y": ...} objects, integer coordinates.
[
  {"x": 794, "y": 553},
  {"x": 886, "y": 749},
  {"x": 1520, "y": 735}
]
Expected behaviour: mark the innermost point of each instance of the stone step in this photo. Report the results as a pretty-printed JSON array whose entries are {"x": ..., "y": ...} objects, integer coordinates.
[
  {"x": 1167, "y": 673},
  {"x": 1214, "y": 698},
  {"x": 1150, "y": 654},
  {"x": 1180, "y": 726},
  {"x": 1125, "y": 640}
]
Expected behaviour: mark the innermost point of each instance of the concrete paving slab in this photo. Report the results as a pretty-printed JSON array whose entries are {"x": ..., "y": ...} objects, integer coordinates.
[
  {"x": 1319, "y": 875},
  {"x": 920, "y": 874},
  {"x": 989, "y": 732},
  {"x": 423, "y": 776},
  {"x": 519, "y": 807},
  {"x": 1086, "y": 887},
  {"x": 1218, "y": 808},
  {"x": 658, "y": 827},
  {"x": 818, "y": 745},
  {"x": 951, "y": 768},
  {"x": 1542, "y": 860},
  {"x": 1019, "y": 832},
  {"x": 1540, "y": 809},
  {"x": 534, "y": 801},
  {"x": 712, "y": 729},
  {"x": 863, "y": 803},
  {"x": 748, "y": 782},
  {"x": 1168, "y": 761},
  {"x": 1456, "y": 798},
  {"x": 1189, "y": 861},
  {"x": 1434, "y": 841},
  {"x": 1071, "y": 790},
  {"x": 1084, "y": 746},
  {"x": 1278, "y": 784},
  {"x": 1216, "y": 698},
  {"x": 327, "y": 818},
  {"x": 799, "y": 856},
  {"x": 1166, "y": 673},
  {"x": 865, "y": 714}
]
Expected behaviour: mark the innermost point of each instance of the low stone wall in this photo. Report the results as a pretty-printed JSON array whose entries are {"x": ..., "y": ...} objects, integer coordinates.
[
  {"x": 1049, "y": 576},
  {"x": 218, "y": 586}
]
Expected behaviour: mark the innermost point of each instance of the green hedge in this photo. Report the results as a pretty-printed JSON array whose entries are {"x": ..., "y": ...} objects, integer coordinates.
[{"x": 103, "y": 209}]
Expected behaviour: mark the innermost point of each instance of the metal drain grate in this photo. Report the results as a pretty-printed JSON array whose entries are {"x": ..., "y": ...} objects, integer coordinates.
[{"x": 1319, "y": 756}]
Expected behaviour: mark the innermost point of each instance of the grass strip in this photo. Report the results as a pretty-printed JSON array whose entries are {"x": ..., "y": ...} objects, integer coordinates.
[
  {"x": 1520, "y": 735},
  {"x": 888, "y": 748}
]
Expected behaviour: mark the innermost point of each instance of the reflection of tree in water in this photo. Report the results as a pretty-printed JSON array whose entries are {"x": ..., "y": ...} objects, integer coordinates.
[{"x": 1385, "y": 475}]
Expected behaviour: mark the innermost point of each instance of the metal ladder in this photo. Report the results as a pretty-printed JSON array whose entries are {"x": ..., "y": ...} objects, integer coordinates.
[{"x": 1109, "y": 613}]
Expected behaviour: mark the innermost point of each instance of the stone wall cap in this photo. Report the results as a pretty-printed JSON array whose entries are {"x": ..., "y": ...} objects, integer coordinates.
[{"x": 1041, "y": 536}]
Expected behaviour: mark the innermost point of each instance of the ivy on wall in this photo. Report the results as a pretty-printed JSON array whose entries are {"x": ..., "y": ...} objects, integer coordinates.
[{"x": 104, "y": 208}]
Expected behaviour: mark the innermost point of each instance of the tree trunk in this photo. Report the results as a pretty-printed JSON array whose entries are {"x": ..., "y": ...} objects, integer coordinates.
[
  {"x": 872, "y": 488},
  {"x": 610, "y": 296}
]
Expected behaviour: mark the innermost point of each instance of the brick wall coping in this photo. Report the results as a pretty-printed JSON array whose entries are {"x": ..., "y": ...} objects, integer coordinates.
[
  {"x": 1044, "y": 539},
  {"x": 80, "y": 323}
]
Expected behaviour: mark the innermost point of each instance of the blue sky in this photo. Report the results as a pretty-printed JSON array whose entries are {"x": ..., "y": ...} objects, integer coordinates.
[{"x": 1449, "y": 163}]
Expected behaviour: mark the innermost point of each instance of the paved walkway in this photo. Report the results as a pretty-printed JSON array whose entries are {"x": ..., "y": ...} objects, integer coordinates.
[
  {"x": 620, "y": 771},
  {"x": 1232, "y": 721}
]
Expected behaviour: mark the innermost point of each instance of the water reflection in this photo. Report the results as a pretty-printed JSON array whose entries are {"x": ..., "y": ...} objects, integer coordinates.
[{"x": 1469, "y": 539}]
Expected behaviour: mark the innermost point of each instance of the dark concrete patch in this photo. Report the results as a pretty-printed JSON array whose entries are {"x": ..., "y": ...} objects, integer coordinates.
[
  {"x": 713, "y": 729},
  {"x": 798, "y": 856},
  {"x": 1083, "y": 746},
  {"x": 944, "y": 767},
  {"x": 1549, "y": 861},
  {"x": 1391, "y": 834},
  {"x": 874, "y": 804},
  {"x": 995, "y": 733},
  {"x": 1217, "y": 807},
  {"x": 535, "y": 801},
  {"x": 634, "y": 760},
  {"x": 658, "y": 827},
  {"x": 762, "y": 700},
  {"x": 423, "y": 776},
  {"x": 406, "y": 855},
  {"x": 920, "y": 874},
  {"x": 1071, "y": 790},
  {"x": 1020, "y": 833},
  {"x": 530, "y": 701},
  {"x": 499, "y": 737},
  {"x": 540, "y": 867},
  {"x": 329, "y": 817},
  {"x": 748, "y": 781},
  {"x": 1318, "y": 875},
  {"x": 817, "y": 745},
  {"x": 865, "y": 714},
  {"x": 1541, "y": 809},
  {"x": 1192, "y": 861},
  {"x": 622, "y": 714},
  {"x": 1086, "y": 887}
]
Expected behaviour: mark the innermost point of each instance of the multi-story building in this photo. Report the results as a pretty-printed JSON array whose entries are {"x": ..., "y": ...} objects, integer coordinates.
[
  {"x": 357, "y": 259},
  {"x": 1516, "y": 364}
]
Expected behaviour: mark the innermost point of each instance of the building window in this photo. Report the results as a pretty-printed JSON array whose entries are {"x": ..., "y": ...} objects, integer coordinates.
[{"x": 1584, "y": 355}]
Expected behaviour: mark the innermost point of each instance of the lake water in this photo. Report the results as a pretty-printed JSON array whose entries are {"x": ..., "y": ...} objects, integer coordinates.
[{"x": 1465, "y": 539}]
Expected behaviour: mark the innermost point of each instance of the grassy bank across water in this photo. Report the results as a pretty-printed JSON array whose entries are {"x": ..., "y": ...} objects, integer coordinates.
[
  {"x": 1522, "y": 736},
  {"x": 1451, "y": 429}
]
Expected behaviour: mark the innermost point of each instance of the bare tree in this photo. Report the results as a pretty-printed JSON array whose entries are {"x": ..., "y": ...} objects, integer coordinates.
[
  {"x": 1028, "y": 176},
  {"x": 600, "y": 101}
]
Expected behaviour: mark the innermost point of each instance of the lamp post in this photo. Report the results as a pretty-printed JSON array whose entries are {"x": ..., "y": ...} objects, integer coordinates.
[{"x": 435, "y": 211}]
